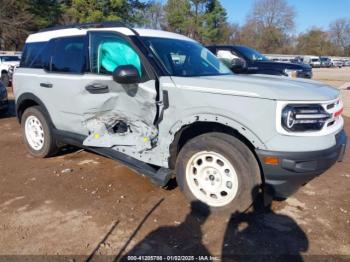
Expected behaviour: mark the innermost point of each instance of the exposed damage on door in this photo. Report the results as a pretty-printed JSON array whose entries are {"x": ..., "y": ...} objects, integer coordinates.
[{"x": 125, "y": 118}]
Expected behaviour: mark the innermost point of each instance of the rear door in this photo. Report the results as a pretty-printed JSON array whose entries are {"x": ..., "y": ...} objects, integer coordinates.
[{"x": 91, "y": 103}]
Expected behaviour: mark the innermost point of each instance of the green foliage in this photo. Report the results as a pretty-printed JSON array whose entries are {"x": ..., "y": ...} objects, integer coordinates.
[
  {"x": 315, "y": 42},
  {"x": 45, "y": 12},
  {"x": 177, "y": 14},
  {"x": 203, "y": 20},
  {"x": 215, "y": 28},
  {"x": 129, "y": 11}
]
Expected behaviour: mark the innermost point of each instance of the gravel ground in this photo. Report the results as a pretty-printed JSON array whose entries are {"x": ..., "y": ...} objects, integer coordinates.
[{"x": 79, "y": 203}]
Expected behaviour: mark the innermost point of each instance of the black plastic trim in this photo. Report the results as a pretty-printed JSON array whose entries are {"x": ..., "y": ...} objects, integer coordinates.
[
  {"x": 297, "y": 168},
  {"x": 158, "y": 175}
]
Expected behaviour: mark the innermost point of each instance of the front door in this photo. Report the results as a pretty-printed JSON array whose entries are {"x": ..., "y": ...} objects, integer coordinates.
[{"x": 93, "y": 104}]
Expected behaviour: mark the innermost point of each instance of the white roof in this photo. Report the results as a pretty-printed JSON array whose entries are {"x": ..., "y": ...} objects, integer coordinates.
[{"x": 48, "y": 35}]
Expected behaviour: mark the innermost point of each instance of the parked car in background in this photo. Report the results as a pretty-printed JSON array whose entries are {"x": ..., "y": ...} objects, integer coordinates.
[
  {"x": 7, "y": 66},
  {"x": 325, "y": 61},
  {"x": 313, "y": 61},
  {"x": 347, "y": 63},
  {"x": 245, "y": 60},
  {"x": 3, "y": 98},
  {"x": 337, "y": 63}
]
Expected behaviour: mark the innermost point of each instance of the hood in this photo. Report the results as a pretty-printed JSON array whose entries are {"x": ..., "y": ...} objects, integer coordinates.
[
  {"x": 295, "y": 66},
  {"x": 260, "y": 86}
]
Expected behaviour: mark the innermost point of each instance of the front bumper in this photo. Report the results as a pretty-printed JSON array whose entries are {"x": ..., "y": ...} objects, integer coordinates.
[{"x": 297, "y": 168}]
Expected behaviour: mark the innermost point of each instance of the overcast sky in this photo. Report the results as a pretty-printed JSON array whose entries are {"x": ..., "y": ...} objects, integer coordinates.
[{"x": 309, "y": 12}]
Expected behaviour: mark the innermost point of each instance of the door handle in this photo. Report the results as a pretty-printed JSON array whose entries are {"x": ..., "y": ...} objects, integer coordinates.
[
  {"x": 97, "y": 88},
  {"x": 46, "y": 85}
]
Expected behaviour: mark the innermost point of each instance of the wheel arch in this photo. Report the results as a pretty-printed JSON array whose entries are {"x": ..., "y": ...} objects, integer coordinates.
[
  {"x": 27, "y": 100},
  {"x": 206, "y": 124}
]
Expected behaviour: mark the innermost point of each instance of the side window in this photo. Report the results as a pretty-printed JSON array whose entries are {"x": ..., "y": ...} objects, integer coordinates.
[
  {"x": 108, "y": 51},
  {"x": 68, "y": 55},
  {"x": 35, "y": 55}
]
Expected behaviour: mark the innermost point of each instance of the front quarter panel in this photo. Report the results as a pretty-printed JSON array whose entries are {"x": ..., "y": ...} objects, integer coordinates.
[{"x": 252, "y": 117}]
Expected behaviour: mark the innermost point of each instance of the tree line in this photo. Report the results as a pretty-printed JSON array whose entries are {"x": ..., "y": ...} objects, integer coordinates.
[{"x": 269, "y": 27}]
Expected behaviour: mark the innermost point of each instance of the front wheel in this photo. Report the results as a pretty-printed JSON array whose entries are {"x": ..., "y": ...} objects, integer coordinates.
[{"x": 219, "y": 171}]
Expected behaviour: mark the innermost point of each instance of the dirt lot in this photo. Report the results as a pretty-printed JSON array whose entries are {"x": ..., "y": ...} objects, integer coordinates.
[{"x": 79, "y": 203}]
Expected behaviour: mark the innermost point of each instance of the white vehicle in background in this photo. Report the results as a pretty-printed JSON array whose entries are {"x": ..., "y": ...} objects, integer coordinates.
[
  {"x": 8, "y": 63},
  {"x": 313, "y": 61},
  {"x": 347, "y": 63},
  {"x": 337, "y": 63}
]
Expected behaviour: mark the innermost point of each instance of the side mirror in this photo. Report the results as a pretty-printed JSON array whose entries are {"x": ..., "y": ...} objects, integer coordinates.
[
  {"x": 126, "y": 74},
  {"x": 237, "y": 65}
]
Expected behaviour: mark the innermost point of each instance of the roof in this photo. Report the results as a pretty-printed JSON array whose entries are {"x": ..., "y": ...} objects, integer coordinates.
[{"x": 45, "y": 36}]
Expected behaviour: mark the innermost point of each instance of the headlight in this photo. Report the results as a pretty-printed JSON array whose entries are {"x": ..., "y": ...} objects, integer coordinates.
[
  {"x": 291, "y": 72},
  {"x": 301, "y": 118}
]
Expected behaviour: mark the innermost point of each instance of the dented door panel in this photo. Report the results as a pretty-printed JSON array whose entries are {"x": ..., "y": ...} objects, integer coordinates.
[{"x": 125, "y": 118}]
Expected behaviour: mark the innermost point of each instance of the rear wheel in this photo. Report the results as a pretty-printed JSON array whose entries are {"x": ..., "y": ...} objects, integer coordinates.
[
  {"x": 37, "y": 133},
  {"x": 219, "y": 171}
]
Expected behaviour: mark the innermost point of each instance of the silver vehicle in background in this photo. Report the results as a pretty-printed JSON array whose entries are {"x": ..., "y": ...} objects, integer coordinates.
[{"x": 325, "y": 61}]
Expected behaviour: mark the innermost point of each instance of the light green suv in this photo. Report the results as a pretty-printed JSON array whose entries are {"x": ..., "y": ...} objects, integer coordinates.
[{"x": 167, "y": 107}]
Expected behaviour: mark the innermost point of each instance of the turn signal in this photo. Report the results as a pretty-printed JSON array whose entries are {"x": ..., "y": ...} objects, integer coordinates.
[{"x": 271, "y": 160}]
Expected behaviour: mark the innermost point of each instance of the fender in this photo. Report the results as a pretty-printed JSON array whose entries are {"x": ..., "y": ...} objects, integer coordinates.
[
  {"x": 241, "y": 129},
  {"x": 162, "y": 154},
  {"x": 29, "y": 97}
]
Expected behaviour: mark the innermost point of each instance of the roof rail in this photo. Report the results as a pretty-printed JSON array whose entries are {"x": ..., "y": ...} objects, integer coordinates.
[{"x": 87, "y": 25}]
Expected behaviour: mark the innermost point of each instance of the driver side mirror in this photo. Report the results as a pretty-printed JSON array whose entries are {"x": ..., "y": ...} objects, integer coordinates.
[
  {"x": 237, "y": 65},
  {"x": 126, "y": 74}
]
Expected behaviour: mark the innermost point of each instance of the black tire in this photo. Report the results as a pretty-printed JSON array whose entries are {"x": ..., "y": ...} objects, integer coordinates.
[
  {"x": 5, "y": 79},
  {"x": 239, "y": 156},
  {"x": 49, "y": 147}
]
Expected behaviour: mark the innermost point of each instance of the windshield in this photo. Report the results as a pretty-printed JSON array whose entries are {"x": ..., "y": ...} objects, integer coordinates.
[
  {"x": 186, "y": 58},
  {"x": 251, "y": 54},
  {"x": 9, "y": 58}
]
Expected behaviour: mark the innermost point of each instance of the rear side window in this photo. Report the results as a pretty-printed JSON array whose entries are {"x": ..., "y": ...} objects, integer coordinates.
[
  {"x": 35, "y": 55},
  {"x": 68, "y": 55}
]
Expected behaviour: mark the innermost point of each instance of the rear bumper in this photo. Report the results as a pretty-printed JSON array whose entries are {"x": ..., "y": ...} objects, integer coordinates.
[{"x": 297, "y": 168}]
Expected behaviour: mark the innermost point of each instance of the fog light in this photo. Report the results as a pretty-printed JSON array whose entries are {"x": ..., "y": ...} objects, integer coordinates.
[{"x": 271, "y": 160}]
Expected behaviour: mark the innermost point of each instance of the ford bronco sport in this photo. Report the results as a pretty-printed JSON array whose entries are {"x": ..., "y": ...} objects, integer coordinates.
[{"x": 167, "y": 107}]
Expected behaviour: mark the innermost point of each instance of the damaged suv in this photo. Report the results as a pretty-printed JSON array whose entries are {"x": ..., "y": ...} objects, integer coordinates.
[{"x": 167, "y": 107}]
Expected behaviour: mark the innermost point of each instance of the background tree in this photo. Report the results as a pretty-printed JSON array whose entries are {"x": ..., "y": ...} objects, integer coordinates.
[
  {"x": 177, "y": 13},
  {"x": 315, "y": 42},
  {"x": 269, "y": 24},
  {"x": 339, "y": 32},
  {"x": 129, "y": 11},
  {"x": 16, "y": 22},
  {"x": 45, "y": 13},
  {"x": 215, "y": 27},
  {"x": 155, "y": 16}
]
